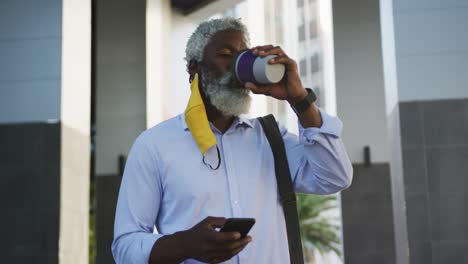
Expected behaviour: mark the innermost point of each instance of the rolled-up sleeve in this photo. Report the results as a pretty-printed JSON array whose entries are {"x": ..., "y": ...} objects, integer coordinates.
[
  {"x": 137, "y": 206},
  {"x": 317, "y": 157}
]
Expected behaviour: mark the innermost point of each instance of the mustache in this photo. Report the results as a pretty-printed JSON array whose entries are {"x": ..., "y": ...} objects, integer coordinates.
[{"x": 228, "y": 79}]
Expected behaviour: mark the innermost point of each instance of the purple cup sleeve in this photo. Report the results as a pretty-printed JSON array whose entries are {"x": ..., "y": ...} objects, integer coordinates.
[{"x": 244, "y": 67}]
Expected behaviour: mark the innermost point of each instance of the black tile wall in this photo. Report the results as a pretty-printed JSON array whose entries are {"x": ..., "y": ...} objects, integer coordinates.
[
  {"x": 414, "y": 167},
  {"x": 367, "y": 216},
  {"x": 30, "y": 259},
  {"x": 410, "y": 120},
  {"x": 420, "y": 251},
  {"x": 449, "y": 215},
  {"x": 372, "y": 258},
  {"x": 107, "y": 193},
  {"x": 30, "y": 192},
  {"x": 447, "y": 169},
  {"x": 435, "y": 164},
  {"x": 418, "y": 217},
  {"x": 450, "y": 251},
  {"x": 445, "y": 122}
]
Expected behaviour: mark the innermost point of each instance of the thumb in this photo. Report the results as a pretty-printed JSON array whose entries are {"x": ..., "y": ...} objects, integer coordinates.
[
  {"x": 214, "y": 222},
  {"x": 252, "y": 87}
]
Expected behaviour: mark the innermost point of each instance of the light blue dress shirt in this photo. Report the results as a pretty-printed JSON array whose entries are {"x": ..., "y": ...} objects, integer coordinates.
[{"x": 166, "y": 184}]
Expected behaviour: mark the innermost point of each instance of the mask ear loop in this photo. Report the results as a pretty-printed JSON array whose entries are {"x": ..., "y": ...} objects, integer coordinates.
[{"x": 219, "y": 160}]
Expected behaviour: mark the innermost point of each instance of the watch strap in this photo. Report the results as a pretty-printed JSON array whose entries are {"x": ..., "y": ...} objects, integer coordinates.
[{"x": 305, "y": 103}]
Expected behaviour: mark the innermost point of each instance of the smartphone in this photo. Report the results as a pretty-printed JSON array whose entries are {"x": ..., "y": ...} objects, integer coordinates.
[{"x": 241, "y": 225}]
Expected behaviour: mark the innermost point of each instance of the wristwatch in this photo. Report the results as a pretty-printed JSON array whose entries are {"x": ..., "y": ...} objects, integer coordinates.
[{"x": 305, "y": 103}]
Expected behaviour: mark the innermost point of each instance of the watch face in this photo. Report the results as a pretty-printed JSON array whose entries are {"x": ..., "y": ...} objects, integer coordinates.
[{"x": 305, "y": 103}]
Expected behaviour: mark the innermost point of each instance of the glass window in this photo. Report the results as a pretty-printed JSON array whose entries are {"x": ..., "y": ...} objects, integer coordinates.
[
  {"x": 301, "y": 32},
  {"x": 315, "y": 67},
  {"x": 278, "y": 21},
  {"x": 303, "y": 67},
  {"x": 313, "y": 29},
  {"x": 300, "y": 3},
  {"x": 316, "y": 90},
  {"x": 300, "y": 17}
]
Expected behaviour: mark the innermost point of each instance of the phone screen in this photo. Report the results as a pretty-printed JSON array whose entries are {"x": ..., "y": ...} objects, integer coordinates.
[{"x": 241, "y": 225}]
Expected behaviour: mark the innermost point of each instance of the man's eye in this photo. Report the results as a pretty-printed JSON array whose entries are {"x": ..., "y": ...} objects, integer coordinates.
[{"x": 226, "y": 55}]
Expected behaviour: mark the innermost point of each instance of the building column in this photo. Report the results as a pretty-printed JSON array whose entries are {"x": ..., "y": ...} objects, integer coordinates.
[
  {"x": 360, "y": 101},
  {"x": 425, "y": 55},
  {"x": 120, "y": 104},
  {"x": 75, "y": 131}
]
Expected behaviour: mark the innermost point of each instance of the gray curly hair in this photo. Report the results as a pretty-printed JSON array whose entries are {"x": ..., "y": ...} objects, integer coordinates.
[{"x": 205, "y": 31}]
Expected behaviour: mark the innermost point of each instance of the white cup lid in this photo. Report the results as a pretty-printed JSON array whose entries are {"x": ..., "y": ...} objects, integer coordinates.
[{"x": 266, "y": 73}]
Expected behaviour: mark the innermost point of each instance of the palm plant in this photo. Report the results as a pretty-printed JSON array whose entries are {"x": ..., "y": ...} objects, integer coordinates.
[{"x": 317, "y": 231}]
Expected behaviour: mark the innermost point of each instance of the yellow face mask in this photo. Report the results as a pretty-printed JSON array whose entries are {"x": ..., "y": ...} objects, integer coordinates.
[{"x": 197, "y": 121}]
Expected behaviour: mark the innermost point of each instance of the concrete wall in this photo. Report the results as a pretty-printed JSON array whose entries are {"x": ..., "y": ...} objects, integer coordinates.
[
  {"x": 30, "y": 52},
  {"x": 368, "y": 228},
  {"x": 431, "y": 49},
  {"x": 120, "y": 80},
  {"x": 435, "y": 158},
  {"x": 425, "y": 62},
  {"x": 360, "y": 97},
  {"x": 120, "y": 104},
  {"x": 367, "y": 216}
]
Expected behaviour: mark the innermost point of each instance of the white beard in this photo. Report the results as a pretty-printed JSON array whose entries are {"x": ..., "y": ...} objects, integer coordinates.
[{"x": 225, "y": 94}]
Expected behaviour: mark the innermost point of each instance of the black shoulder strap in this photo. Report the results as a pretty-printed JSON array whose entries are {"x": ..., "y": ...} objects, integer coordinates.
[{"x": 285, "y": 187}]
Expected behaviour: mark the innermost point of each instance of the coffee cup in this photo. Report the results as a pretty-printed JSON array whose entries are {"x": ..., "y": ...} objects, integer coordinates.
[{"x": 248, "y": 67}]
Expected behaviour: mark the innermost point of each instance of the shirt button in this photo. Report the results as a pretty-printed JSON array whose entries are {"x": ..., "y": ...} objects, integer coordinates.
[{"x": 235, "y": 202}]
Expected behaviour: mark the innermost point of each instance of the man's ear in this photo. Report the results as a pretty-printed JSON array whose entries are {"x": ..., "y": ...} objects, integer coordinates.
[{"x": 193, "y": 68}]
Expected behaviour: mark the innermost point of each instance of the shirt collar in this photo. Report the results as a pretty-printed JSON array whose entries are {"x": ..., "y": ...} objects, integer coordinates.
[{"x": 240, "y": 120}]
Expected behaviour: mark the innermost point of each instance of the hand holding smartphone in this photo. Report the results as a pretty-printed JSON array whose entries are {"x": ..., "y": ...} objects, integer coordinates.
[{"x": 241, "y": 225}]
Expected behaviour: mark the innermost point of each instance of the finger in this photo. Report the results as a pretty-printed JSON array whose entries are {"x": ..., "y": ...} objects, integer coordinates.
[
  {"x": 290, "y": 63},
  {"x": 227, "y": 248},
  {"x": 283, "y": 59},
  {"x": 220, "y": 238},
  {"x": 256, "y": 89},
  {"x": 236, "y": 245},
  {"x": 258, "y": 49},
  {"x": 214, "y": 222},
  {"x": 263, "y": 47},
  {"x": 239, "y": 249},
  {"x": 272, "y": 51},
  {"x": 269, "y": 48},
  {"x": 233, "y": 249},
  {"x": 226, "y": 257}
]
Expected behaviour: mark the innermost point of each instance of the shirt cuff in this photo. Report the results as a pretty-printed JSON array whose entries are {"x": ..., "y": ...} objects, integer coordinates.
[
  {"x": 331, "y": 125},
  {"x": 147, "y": 244}
]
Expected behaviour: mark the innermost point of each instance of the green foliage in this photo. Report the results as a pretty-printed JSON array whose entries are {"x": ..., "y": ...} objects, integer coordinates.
[
  {"x": 316, "y": 229},
  {"x": 92, "y": 240},
  {"x": 92, "y": 224}
]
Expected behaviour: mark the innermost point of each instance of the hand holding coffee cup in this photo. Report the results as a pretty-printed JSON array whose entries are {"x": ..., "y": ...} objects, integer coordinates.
[
  {"x": 275, "y": 75},
  {"x": 248, "y": 67}
]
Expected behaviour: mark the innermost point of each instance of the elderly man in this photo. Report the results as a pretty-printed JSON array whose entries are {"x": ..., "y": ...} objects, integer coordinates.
[{"x": 167, "y": 183}]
